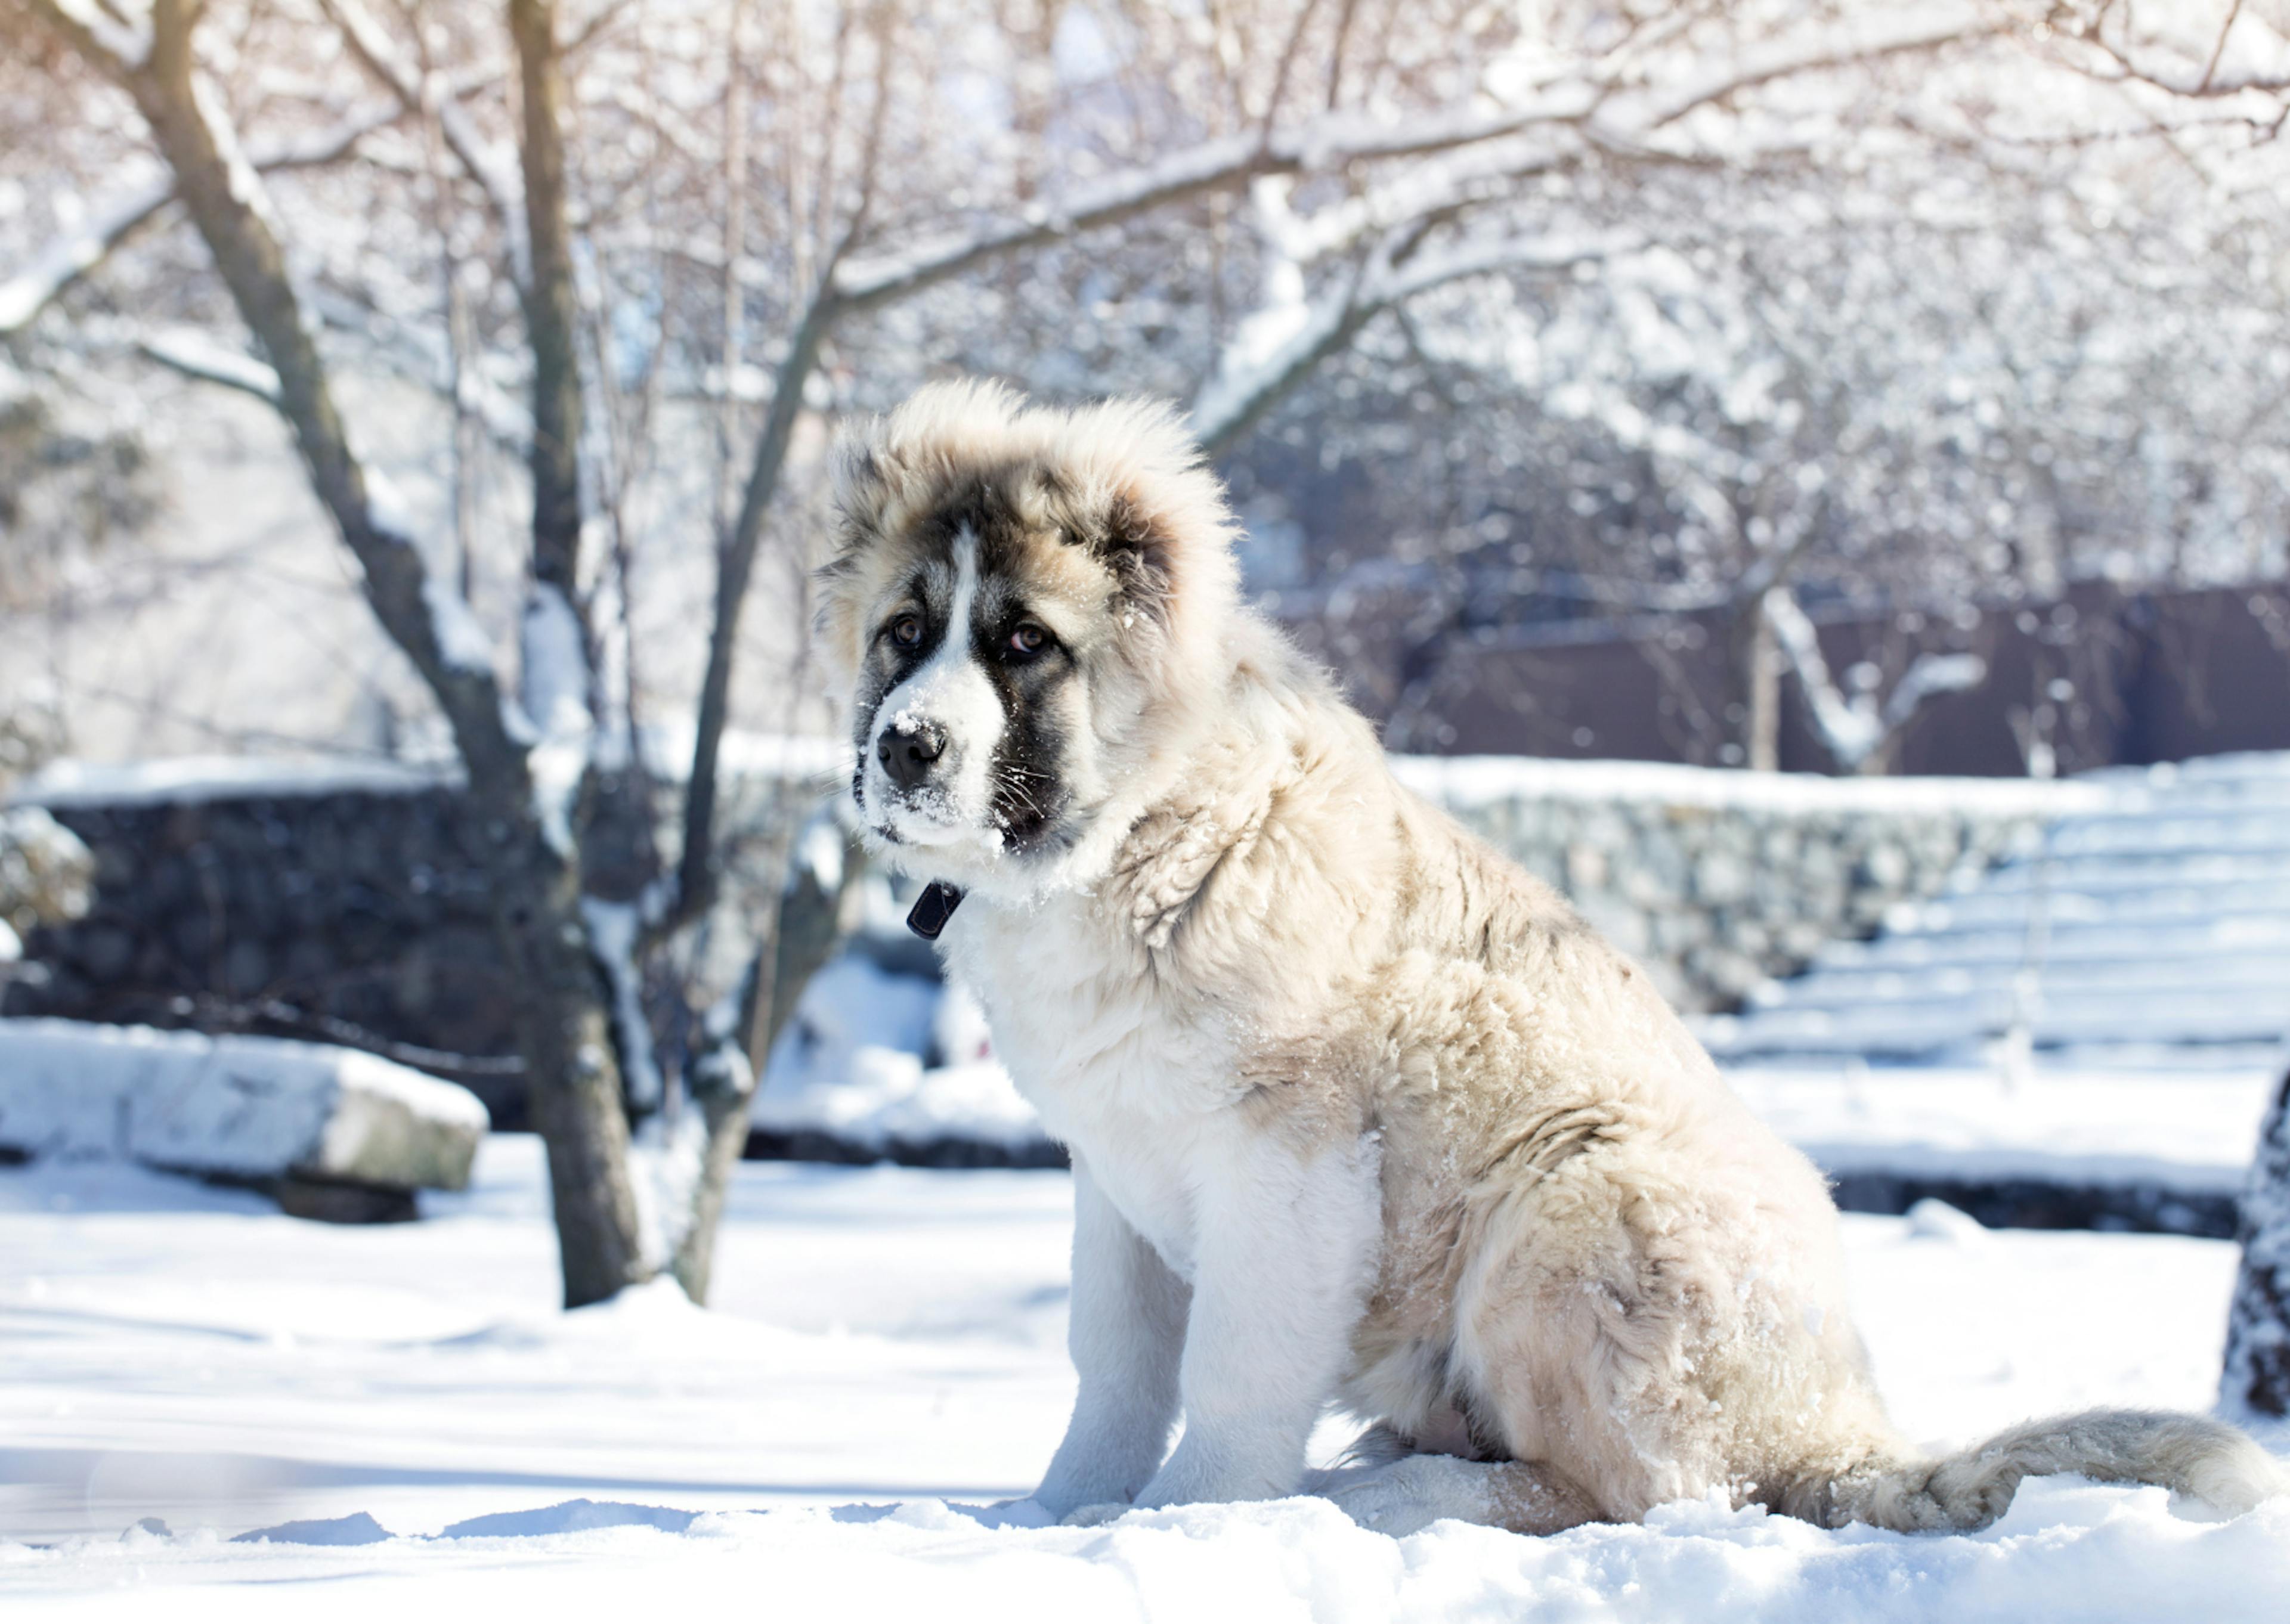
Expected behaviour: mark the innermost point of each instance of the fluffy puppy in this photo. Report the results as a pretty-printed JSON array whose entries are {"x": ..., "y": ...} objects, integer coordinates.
[{"x": 1359, "y": 1112}]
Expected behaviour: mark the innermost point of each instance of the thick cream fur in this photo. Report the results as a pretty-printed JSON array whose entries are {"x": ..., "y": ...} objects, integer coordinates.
[{"x": 1363, "y": 1114}]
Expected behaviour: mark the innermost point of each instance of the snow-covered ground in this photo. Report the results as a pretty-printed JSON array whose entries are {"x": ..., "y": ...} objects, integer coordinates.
[
  {"x": 854, "y": 1066},
  {"x": 885, "y": 1357},
  {"x": 2181, "y": 1131}
]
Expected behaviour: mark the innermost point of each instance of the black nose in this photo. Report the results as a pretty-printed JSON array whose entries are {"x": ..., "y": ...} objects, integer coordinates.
[{"x": 908, "y": 751}]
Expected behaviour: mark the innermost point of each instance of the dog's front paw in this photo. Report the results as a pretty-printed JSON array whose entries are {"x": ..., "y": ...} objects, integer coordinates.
[
  {"x": 1025, "y": 1512},
  {"x": 1095, "y": 1516},
  {"x": 1210, "y": 1476}
]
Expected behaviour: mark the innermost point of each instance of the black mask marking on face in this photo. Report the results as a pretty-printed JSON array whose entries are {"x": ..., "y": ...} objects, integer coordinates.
[
  {"x": 1028, "y": 795},
  {"x": 887, "y": 664},
  {"x": 1028, "y": 788}
]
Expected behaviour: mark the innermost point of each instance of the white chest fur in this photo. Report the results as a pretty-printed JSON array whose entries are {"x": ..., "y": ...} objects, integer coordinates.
[{"x": 1137, "y": 1080}]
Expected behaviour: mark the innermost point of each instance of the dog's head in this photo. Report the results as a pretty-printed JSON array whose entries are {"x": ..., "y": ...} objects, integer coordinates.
[{"x": 1026, "y": 604}]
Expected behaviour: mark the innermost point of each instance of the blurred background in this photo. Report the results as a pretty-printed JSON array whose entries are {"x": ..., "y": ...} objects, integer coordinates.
[{"x": 1810, "y": 478}]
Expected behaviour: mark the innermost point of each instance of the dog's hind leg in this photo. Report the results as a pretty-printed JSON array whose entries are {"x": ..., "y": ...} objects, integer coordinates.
[{"x": 1412, "y": 1493}]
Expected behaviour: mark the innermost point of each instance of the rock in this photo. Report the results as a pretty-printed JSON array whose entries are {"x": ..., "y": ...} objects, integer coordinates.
[
  {"x": 258, "y": 1110},
  {"x": 328, "y": 1203},
  {"x": 573, "y": 1517},
  {"x": 1586, "y": 867},
  {"x": 46, "y": 872},
  {"x": 358, "y": 1528},
  {"x": 1934, "y": 1220},
  {"x": 1720, "y": 877}
]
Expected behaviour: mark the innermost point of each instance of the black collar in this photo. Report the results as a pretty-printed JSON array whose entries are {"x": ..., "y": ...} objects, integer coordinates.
[{"x": 934, "y": 908}]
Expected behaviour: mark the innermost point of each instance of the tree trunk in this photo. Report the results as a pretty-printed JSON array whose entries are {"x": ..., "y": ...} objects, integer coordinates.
[
  {"x": 2257, "y": 1376},
  {"x": 810, "y": 923},
  {"x": 564, "y": 1027},
  {"x": 1762, "y": 727},
  {"x": 563, "y": 1030},
  {"x": 1749, "y": 715},
  {"x": 550, "y": 309},
  {"x": 565, "y": 1033}
]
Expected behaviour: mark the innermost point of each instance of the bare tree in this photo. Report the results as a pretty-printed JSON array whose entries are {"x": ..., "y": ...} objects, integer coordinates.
[{"x": 562, "y": 1030}]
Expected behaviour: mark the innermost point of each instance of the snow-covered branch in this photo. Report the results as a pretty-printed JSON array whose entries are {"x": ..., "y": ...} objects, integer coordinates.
[
  {"x": 1958, "y": 24},
  {"x": 1855, "y": 729},
  {"x": 198, "y": 355},
  {"x": 1930, "y": 676},
  {"x": 1616, "y": 109},
  {"x": 2198, "y": 69},
  {"x": 229, "y": 204},
  {"x": 1326, "y": 144},
  {"x": 1277, "y": 347},
  {"x": 113, "y": 40},
  {"x": 554, "y": 692},
  {"x": 74, "y": 253}
]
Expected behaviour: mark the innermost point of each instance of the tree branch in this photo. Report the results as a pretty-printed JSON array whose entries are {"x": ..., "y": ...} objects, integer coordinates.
[
  {"x": 72, "y": 256},
  {"x": 1327, "y": 142},
  {"x": 109, "y": 44},
  {"x": 2209, "y": 86},
  {"x": 1250, "y": 384},
  {"x": 417, "y": 92},
  {"x": 2218, "y": 50},
  {"x": 1855, "y": 730},
  {"x": 696, "y": 871},
  {"x": 551, "y": 308},
  {"x": 1787, "y": 63},
  {"x": 194, "y": 355},
  {"x": 227, "y": 202},
  {"x": 695, "y": 887}
]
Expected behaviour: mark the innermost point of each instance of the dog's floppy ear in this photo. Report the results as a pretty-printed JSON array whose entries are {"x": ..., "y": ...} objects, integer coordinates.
[
  {"x": 861, "y": 492},
  {"x": 1140, "y": 552},
  {"x": 1154, "y": 514},
  {"x": 858, "y": 481},
  {"x": 863, "y": 480}
]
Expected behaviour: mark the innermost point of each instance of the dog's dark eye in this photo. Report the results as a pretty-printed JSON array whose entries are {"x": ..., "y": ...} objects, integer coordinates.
[
  {"x": 1028, "y": 641},
  {"x": 907, "y": 630}
]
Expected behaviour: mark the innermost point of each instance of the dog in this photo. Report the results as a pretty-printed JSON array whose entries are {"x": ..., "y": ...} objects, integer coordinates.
[{"x": 1359, "y": 1112}]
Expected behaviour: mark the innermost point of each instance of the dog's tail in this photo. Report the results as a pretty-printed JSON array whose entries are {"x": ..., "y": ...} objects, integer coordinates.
[{"x": 2191, "y": 1455}]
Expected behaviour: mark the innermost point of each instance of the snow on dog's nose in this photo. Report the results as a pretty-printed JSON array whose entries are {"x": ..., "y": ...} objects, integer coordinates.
[{"x": 909, "y": 751}]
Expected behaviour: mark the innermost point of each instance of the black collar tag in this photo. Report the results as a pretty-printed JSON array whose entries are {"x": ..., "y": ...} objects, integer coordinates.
[{"x": 934, "y": 908}]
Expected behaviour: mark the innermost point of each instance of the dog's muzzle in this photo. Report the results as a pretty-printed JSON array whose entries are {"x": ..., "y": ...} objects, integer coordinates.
[{"x": 910, "y": 753}]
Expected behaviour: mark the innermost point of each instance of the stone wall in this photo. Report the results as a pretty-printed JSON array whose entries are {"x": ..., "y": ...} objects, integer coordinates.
[
  {"x": 293, "y": 907},
  {"x": 1716, "y": 880},
  {"x": 346, "y": 908},
  {"x": 334, "y": 903}
]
